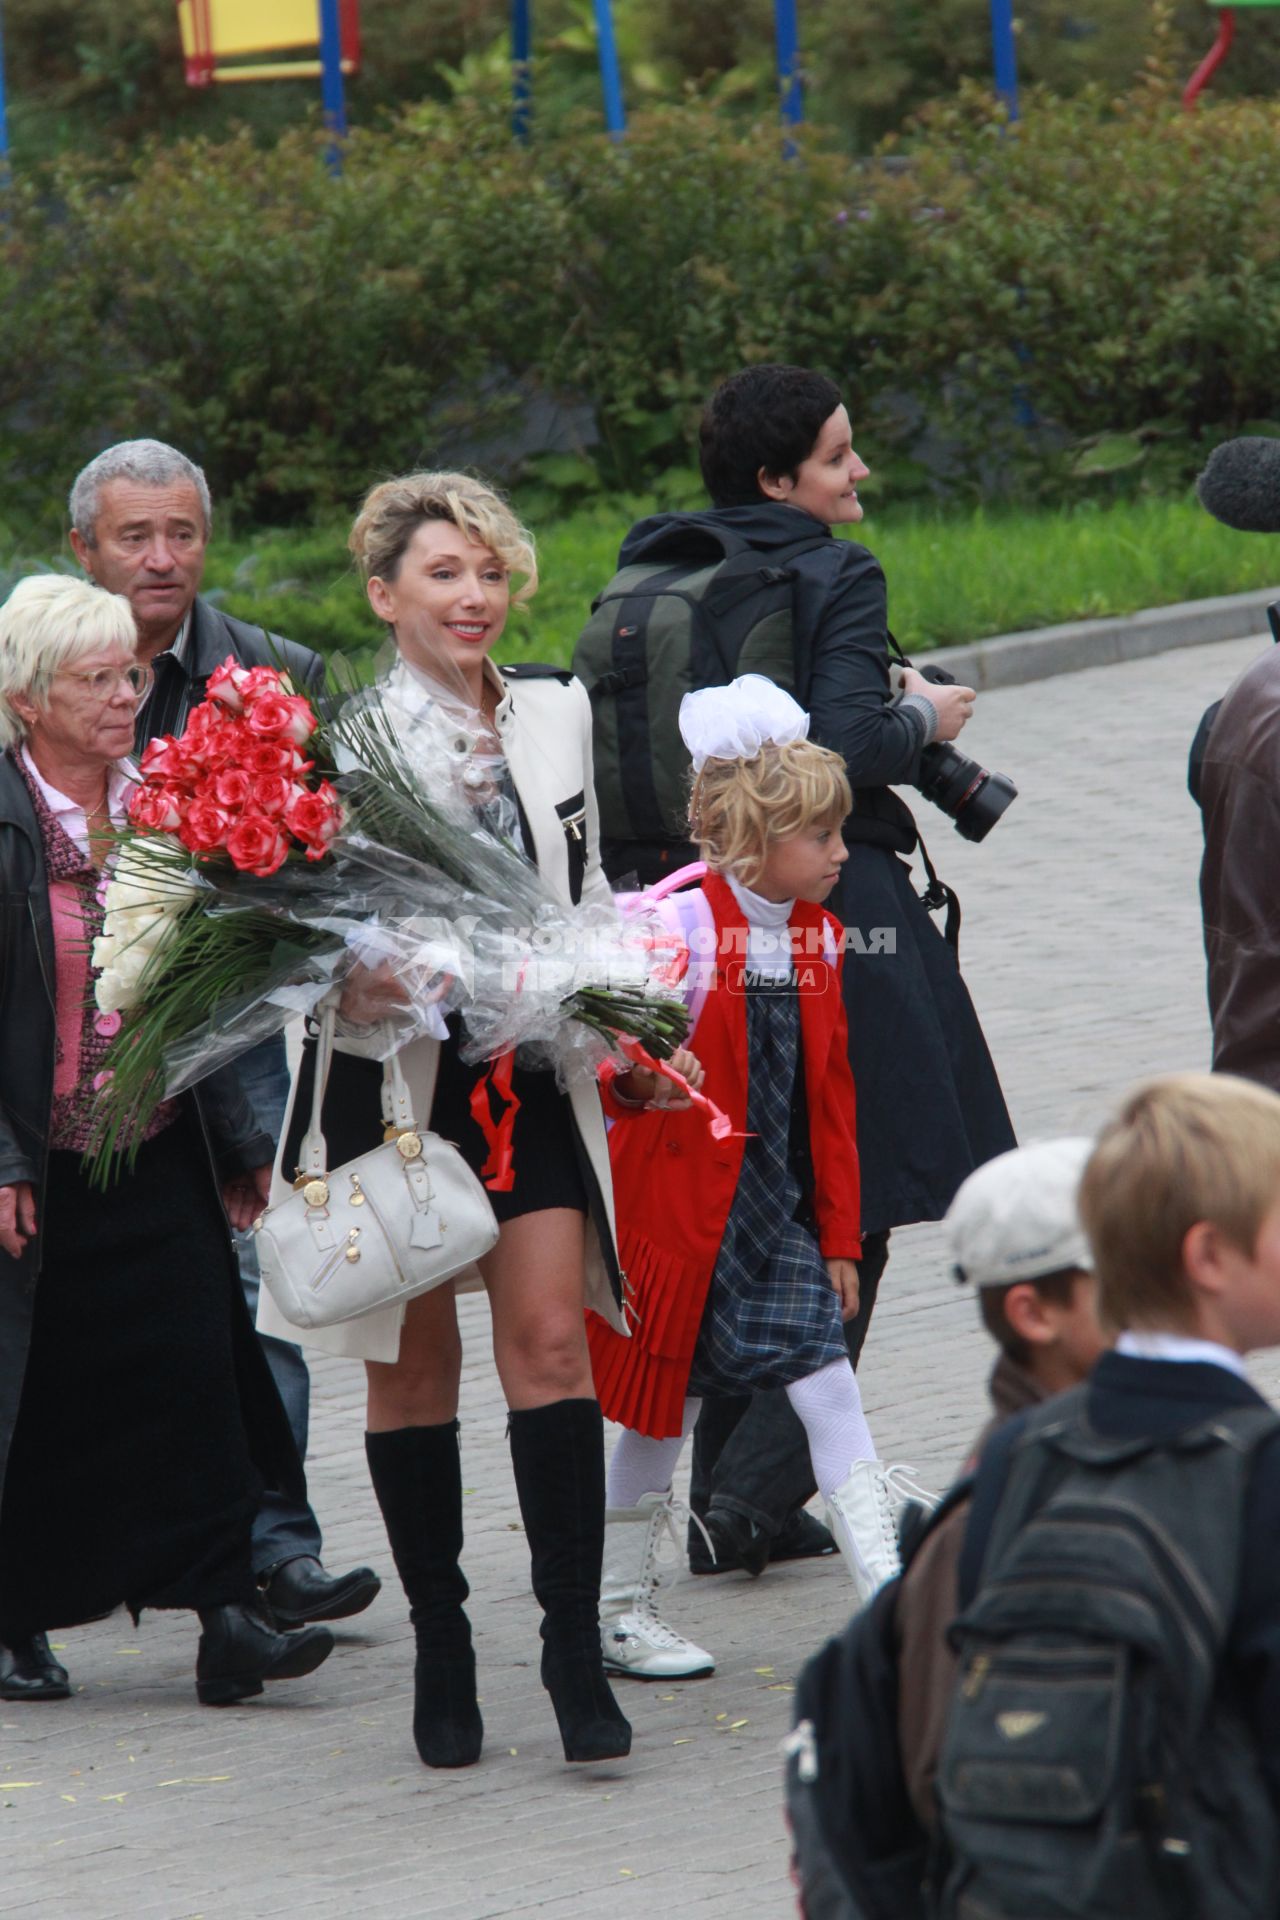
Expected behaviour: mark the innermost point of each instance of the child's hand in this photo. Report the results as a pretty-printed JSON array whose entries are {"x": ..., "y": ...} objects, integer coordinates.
[
  {"x": 844, "y": 1278},
  {"x": 666, "y": 1093},
  {"x": 641, "y": 1086}
]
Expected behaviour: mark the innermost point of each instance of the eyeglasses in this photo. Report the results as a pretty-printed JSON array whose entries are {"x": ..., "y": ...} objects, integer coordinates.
[{"x": 102, "y": 684}]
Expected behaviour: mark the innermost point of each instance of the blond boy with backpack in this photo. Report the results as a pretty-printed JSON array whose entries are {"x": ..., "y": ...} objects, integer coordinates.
[{"x": 1112, "y": 1744}]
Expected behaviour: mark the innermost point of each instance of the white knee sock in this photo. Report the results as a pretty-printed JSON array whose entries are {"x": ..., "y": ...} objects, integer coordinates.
[
  {"x": 641, "y": 1465},
  {"x": 830, "y": 1405}
]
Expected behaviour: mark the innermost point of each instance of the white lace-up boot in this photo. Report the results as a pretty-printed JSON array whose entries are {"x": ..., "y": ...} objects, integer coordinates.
[
  {"x": 633, "y": 1638},
  {"x": 906, "y": 1491},
  {"x": 860, "y": 1514}
]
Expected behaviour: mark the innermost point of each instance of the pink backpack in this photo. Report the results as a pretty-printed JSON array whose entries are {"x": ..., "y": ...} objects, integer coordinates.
[{"x": 688, "y": 915}]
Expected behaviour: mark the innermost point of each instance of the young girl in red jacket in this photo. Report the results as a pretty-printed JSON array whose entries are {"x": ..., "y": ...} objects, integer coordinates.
[{"x": 741, "y": 1251}]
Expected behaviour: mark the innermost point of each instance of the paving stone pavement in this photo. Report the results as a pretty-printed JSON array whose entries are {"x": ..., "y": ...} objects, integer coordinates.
[{"x": 1082, "y": 947}]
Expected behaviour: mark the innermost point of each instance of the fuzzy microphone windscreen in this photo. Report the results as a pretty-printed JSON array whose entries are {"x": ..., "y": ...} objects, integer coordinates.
[{"x": 1241, "y": 484}]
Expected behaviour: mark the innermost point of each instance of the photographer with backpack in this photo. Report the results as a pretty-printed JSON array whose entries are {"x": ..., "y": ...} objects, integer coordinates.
[{"x": 759, "y": 583}]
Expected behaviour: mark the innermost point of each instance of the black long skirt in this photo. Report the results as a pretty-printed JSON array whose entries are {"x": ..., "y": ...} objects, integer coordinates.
[{"x": 131, "y": 1477}]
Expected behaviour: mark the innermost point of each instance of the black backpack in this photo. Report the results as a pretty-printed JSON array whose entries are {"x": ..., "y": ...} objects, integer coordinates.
[
  {"x": 1093, "y": 1763},
  {"x": 695, "y": 613},
  {"x": 858, "y": 1850}
]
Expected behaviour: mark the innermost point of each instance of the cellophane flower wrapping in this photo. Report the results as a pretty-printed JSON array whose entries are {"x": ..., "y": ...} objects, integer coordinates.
[{"x": 401, "y": 850}]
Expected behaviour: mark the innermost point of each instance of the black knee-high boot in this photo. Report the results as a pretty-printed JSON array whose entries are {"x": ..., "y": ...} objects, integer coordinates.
[
  {"x": 417, "y": 1476},
  {"x": 558, "y": 1456}
]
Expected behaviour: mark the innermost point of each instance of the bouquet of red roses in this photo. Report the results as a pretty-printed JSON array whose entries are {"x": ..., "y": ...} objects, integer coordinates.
[
  {"x": 246, "y": 887},
  {"x": 238, "y": 782}
]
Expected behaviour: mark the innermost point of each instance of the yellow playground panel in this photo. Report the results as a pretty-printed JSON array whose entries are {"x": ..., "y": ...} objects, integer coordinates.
[{"x": 227, "y": 39}]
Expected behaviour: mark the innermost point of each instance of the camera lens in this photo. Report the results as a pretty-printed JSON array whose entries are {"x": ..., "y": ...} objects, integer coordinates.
[
  {"x": 969, "y": 794},
  {"x": 984, "y": 804}
]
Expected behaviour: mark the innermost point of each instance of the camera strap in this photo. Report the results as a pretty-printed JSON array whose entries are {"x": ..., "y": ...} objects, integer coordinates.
[{"x": 937, "y": 895}]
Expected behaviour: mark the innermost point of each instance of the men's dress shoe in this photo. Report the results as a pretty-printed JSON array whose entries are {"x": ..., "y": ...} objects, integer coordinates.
[
  {"x": 738, "y": 1543},
  {"x": 802, "y": 1537},
  {"x": 239, "y": 1649},
  {"x": 299, "y": 1591},
  {"x": 28, "y": 1671},
  {"x": 742, "y": 1546}
]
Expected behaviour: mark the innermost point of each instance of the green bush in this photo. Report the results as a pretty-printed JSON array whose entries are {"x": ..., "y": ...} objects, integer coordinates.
[
  {"x": 295, "y": 332},
  {"x": 1112, "y": 266},
  {"x": 1076, "y": 303}
]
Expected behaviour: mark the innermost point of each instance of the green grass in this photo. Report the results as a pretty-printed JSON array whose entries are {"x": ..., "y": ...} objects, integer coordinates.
[{"x": 952, "y": 578}]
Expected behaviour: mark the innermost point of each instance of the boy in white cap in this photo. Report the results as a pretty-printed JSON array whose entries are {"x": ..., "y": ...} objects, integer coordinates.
[{"x": 1015, "y": 1235}]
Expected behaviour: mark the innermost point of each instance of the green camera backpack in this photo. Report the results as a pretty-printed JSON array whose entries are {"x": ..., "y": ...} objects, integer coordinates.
[{"x": 704, "y": 610}]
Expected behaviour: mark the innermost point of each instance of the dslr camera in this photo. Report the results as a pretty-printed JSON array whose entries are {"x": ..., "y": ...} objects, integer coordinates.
[{"x": 966, "y": 792}]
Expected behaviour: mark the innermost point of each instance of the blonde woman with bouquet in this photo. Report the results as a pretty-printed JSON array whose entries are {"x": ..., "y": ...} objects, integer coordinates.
[{"x": 443, "y": 559}]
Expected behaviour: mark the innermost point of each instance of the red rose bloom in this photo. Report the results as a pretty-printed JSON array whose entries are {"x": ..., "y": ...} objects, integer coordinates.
[
  {"x": 156, "y": 809},
  {"x": 226, "y": 685},
  {"x": 269, "y": 717},
  {"x": 269, "y": 756},
  {"x": 314, "y": 818},
  {"x": 256, "y": 845},
  {"x": 211, "y": 740},
  {"x": 163, "y": 759},
  {"x": 260, "y": 680},
  {"x": 271, "y": 794},
  {"x": 204, "y": 828},
  {"x": 302, "y": 719},
  {"x": 232, "y": 788}
]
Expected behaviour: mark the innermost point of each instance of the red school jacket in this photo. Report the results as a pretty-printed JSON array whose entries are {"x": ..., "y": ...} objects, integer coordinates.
[{"x": 674, "y": 1184}]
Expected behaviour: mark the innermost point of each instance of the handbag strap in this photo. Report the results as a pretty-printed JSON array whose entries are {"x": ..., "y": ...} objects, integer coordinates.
[{"x": 397, "y": 1107}]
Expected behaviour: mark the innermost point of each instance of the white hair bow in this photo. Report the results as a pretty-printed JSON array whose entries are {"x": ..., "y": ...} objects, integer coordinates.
[{"x": 734, "y": 722}]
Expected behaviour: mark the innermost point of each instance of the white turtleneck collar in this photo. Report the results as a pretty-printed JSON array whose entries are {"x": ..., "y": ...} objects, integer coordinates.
[{"x": 768, "y": 939}]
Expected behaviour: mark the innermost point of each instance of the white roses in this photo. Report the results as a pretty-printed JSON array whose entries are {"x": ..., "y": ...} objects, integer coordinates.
[{"x": 150, "y": 890}]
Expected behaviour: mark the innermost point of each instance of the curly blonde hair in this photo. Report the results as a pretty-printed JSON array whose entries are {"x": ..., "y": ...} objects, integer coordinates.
[
  {"x": 392, "y": 512},
  {"x": 738, "y": 809}
]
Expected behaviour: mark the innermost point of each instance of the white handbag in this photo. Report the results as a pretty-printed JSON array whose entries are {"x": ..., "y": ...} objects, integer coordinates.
[{"x": 398, "y": 1221}]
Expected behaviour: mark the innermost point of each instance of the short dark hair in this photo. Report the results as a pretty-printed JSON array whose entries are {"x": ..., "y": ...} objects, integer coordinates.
[
  {"x": 1056, "y": 1287},
  {"x": 768, "y": 417}
]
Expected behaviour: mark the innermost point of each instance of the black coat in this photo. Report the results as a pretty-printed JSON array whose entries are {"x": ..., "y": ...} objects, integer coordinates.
[
  {"x": 28, "y": 1037},
  {"x": 930, "y": 1108}
]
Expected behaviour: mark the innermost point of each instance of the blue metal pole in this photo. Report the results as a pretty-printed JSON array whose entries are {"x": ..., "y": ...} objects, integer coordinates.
[
  {"x": 1005, "y": 51},
  {"x": 610, "y": 80},
  {"x": 788, "y": 38},
  {"x": 4, "y": 122},
  {"x": 332, "y": 91},
  {"x": 521, "y": 55}
]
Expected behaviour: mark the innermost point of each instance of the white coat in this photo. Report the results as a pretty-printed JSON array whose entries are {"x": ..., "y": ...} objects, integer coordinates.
[{"x": 544, "y": 724}]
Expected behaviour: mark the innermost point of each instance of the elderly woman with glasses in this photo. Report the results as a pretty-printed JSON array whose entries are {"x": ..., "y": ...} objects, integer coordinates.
[{"x": 138, "y": 1421}]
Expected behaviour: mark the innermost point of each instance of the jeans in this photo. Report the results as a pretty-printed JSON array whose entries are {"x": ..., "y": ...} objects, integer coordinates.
[
  {"x": 750, "y": 1454},
  {"x": 283, "y": 1529}
]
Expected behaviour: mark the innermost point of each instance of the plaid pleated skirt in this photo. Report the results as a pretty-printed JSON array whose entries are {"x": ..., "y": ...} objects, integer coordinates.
[{"x": 772, "y": 1315}]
